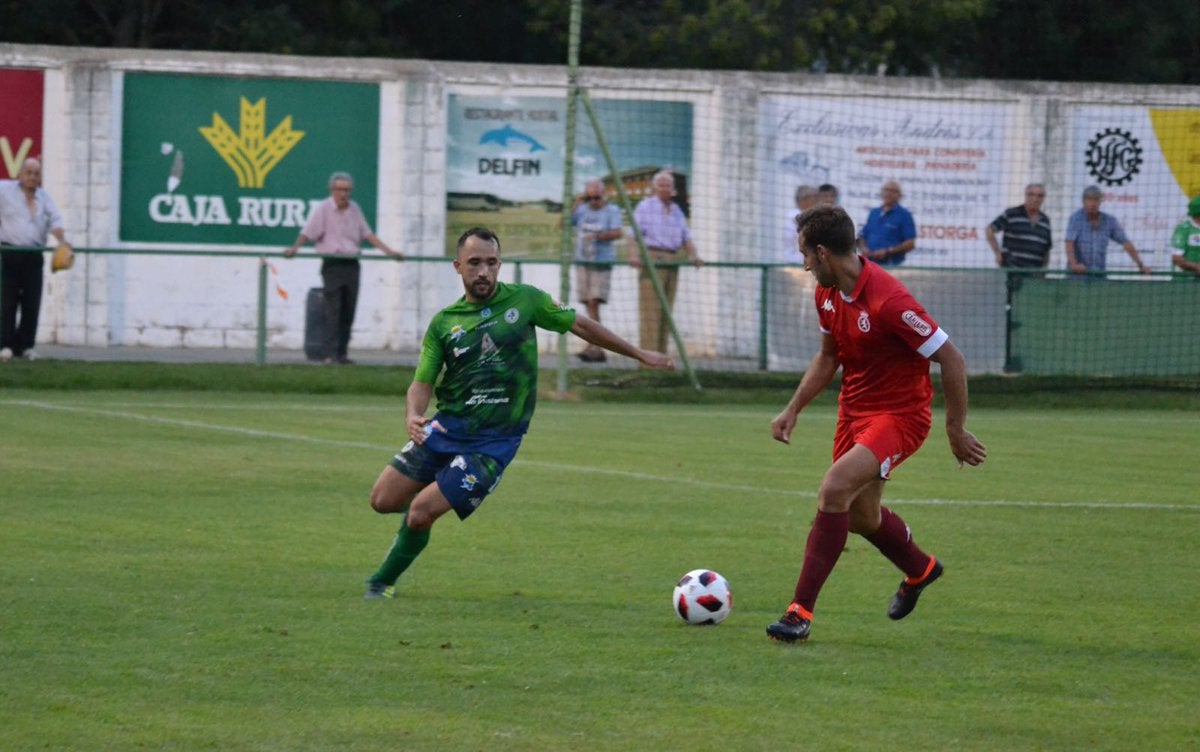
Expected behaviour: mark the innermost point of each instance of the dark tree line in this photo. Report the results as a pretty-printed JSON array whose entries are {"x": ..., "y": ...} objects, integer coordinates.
[{"x": 1068, "y": 40}]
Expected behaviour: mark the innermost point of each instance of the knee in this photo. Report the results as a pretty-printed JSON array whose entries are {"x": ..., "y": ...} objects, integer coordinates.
[
  {"x": 864, "y": 523},
  {"x": 833, "y": 496},
  {"x": 384, "y": 503}
]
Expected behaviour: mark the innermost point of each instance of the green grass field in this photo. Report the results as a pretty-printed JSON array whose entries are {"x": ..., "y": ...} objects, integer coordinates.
[{"x": 183, "y": 570}]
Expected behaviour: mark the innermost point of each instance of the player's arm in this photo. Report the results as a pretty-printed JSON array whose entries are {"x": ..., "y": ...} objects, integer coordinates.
[
  {"x": 818, "y": 375},
  {"x": 963, "y": 444},
  {"x": 600, "y": 335},
  {"x": 416, "y": 402},
  {"x": 1185, "y": 265}
]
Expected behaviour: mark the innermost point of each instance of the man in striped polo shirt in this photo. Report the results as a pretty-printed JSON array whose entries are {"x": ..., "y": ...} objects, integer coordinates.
[{"x": 1026, "y": 229}]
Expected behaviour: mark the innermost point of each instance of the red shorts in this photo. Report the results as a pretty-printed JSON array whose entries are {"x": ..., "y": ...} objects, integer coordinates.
[{"x": 891, "y": 438}]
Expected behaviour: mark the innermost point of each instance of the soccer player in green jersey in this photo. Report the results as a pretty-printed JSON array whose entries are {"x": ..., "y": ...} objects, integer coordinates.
[
  {"x": 1185, "y": 243},
  {"x": 485, "y": 348}
]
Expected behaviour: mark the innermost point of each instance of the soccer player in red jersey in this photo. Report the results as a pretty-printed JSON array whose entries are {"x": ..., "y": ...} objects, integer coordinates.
[{"x": 883, "y": 340}]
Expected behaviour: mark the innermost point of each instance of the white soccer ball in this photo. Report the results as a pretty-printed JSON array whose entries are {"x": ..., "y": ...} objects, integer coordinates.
[{"x": 702, "y": 597}]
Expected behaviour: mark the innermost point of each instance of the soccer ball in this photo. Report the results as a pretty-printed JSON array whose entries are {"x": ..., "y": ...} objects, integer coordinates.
[{"x": 702, "y": 597}]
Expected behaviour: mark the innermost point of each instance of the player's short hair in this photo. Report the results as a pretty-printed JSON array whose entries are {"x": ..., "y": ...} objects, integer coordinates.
[
  {"x": 482, "y": 233},
  {"x": 1093, "y": 191},
  {"x": 829, "y": 226},
  {"x": 340, "y": 176},
  {"x": 827, "y": 188}
]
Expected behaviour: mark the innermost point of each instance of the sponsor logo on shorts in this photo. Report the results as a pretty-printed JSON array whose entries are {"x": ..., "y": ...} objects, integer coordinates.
[
  {"x": 916, "y": 323},
  {"x": 469, "y": 481}
]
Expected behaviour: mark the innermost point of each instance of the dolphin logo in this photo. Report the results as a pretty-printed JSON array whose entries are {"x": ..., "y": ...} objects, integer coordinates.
[{"x": 503, "y": 135}]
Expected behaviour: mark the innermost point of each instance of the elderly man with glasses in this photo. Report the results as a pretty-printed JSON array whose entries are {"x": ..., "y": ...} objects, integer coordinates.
[
  {"x": 597, "y": 227},
  {"x": 1026, "y": 229}
]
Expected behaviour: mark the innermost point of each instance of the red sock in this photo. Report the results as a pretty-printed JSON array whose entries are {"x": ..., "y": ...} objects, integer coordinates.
[
  {"x": 826, "y": 540},
  {"x": 894, "y": 540}
]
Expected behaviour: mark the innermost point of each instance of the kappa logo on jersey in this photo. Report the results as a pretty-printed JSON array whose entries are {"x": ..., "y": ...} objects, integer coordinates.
[
  {"x": 511, "y": 315},
  {"x": 864, "y": 322},
  {"x": 916, "y": 323},
  {"x": 827, "y": 305},
  {"x": 457, "y": 331}
]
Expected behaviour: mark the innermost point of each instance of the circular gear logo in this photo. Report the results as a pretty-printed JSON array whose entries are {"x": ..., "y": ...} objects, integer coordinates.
[{"x": 1113, "y": 156}]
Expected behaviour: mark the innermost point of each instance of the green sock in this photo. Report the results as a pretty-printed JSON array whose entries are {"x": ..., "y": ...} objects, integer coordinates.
[{"x": 407, "y": 545}]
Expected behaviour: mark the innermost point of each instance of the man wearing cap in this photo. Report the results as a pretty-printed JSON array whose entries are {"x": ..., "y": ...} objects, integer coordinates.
[
  {"x": 1185, "y": 243},
  {"x": 1088, "y": 233}
]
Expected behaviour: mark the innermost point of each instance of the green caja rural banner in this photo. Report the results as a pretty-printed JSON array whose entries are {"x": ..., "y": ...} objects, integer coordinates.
[{"x": 240, "y": 161}]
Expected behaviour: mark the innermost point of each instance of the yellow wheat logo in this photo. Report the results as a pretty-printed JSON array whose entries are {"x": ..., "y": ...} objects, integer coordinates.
[{"x": 248, "y": 153}]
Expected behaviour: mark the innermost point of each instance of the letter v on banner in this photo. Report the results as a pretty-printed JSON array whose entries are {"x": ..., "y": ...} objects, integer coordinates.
[{"x": 12, "y": 162}]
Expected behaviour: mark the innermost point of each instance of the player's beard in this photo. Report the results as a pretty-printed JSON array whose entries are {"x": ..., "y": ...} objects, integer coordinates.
[{"x": 482, "y": 288}]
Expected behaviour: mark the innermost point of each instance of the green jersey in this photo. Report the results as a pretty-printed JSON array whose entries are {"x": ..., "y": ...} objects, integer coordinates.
[
  {"x": 1186, "y": 242},
  {"x": 489, "y": 351}
]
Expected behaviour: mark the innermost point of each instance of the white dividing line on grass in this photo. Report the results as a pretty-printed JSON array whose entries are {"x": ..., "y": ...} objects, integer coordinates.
[{"x": 586, "y": 469}]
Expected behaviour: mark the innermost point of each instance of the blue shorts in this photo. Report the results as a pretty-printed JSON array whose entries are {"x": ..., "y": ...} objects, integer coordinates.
[{"x": 466, "y": 467}]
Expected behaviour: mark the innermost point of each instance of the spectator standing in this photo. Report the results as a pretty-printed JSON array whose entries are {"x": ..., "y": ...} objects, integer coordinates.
[
  {"x": 805, "y": 198},
  {"x": 1088, "y": 232},
  {"x": 27, "y": 216},
  {"x": 827, "y": 194},
  {"x": 668, "y": 239},
  {"x": 1185, "y": 243},
  {"x": 598, "y": 227},
  {"x": 338, "y": 228},
  {"x": 1026, "y": 229},
  {"x": 890, "y": 231}
]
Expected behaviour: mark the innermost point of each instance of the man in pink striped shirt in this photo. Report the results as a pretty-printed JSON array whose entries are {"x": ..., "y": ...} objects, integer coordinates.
[{"x": 337, "y": 229}]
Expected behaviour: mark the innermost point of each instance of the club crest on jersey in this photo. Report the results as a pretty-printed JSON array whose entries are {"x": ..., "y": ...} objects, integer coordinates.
[
  {"x": 457, "y": 331},
  {"x": 511, "y": 315},
  {"x": 916, "y": 323},
  {"x": 864, "y": 322}
]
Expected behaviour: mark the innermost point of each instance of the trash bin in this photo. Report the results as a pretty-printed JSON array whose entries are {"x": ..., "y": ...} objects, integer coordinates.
[{"x": 315, "y": 328}]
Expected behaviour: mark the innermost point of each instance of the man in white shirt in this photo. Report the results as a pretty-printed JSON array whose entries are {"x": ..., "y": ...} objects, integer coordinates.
[{"x": 27, "y": 216}]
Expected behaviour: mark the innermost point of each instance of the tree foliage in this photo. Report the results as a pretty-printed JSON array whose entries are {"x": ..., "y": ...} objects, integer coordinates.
[{"x": 1071, "y": 40}]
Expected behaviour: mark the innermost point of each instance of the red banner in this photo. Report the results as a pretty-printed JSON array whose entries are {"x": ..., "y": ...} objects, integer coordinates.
[{"x": 20, "y": 118}]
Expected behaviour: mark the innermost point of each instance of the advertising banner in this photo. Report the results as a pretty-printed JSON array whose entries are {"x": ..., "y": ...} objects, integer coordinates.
[
  {"x": 239, "y": 161},
  {"x": 1147, "y": 163},
  {"x": 951, "y": 158},
  {"x": 20, "y": 118},
  {"x": 504, "y": 161}
]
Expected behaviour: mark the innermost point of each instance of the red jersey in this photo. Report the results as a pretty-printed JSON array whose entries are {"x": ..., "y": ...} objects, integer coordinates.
[{"x": 884, "y": 339}]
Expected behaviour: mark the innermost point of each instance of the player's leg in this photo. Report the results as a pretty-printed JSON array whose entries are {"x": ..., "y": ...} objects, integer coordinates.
[
  {"x": 894, "y": 440},
  {"x": 851, "y": 473},
  {"x": 395, "y": 492}
]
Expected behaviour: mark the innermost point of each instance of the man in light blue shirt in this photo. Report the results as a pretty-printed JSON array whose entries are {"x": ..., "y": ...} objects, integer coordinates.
[
  {"x": 1088, "y": 233},
  {"x": 668, "y": 241},
  {"x": 27, "y": 216},
  {"x": 597, "y": 228}
]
